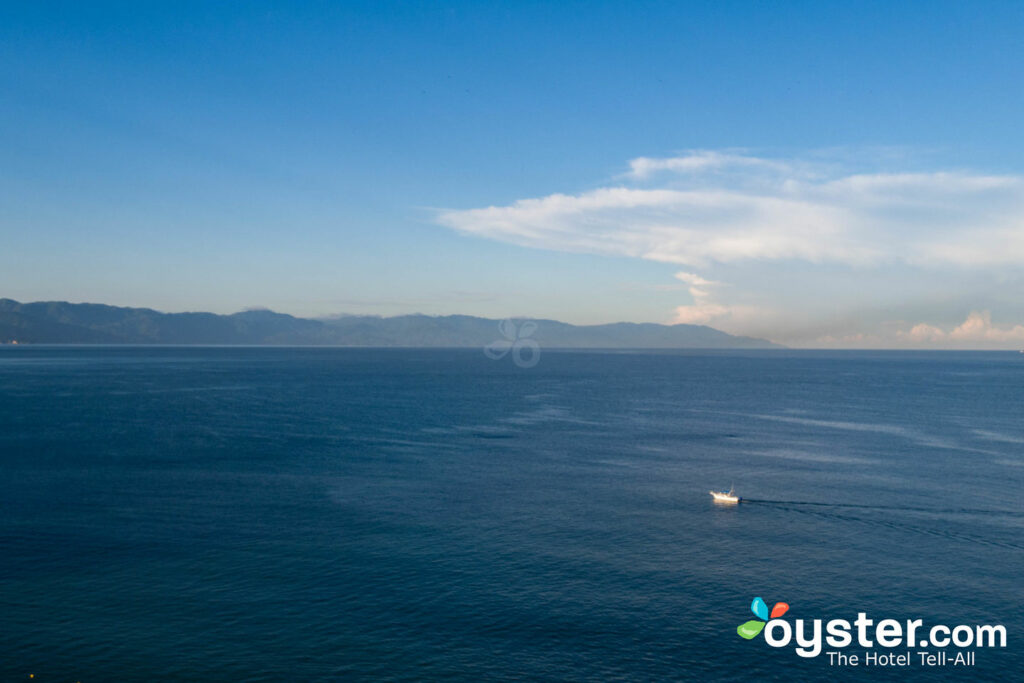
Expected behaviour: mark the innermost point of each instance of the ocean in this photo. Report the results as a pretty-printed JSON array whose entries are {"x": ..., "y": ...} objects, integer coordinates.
[{"x": 273, "y": 514}]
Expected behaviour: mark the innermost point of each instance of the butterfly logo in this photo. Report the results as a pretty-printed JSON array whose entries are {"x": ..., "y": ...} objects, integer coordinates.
[
  {"x": 516, "y": 340},
  {"x": 751, "y": 628}
]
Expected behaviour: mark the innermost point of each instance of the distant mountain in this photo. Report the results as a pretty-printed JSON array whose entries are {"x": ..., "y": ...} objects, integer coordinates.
[{"x": 60, "y": 322}]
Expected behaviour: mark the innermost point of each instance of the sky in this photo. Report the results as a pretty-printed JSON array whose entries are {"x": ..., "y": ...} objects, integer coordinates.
[{"x": 846, "y": 174}]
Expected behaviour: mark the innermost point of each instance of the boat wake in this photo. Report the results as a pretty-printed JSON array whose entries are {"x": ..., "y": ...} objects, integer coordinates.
[
  {"x": 847, "y": 512},
  {"x": 902, "y": 508}
]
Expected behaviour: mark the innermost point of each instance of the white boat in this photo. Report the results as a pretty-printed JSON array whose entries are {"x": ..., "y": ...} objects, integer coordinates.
[{"x": 725, "y": 496}]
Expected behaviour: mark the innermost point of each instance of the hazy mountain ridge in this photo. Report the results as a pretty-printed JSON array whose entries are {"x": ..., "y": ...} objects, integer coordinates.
[{"x": 60, "y": 322}]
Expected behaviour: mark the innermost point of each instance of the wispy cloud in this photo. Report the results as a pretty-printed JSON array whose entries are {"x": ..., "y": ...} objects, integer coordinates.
[
  {"x": 709, "y": 209},
  {"x": 771, "y": 210},
  {"x": 701, "y": 161},
  {"x": 703, "y": 309}
]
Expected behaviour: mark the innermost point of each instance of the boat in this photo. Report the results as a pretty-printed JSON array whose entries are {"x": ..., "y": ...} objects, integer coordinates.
[{"x": 725, "y": 496}]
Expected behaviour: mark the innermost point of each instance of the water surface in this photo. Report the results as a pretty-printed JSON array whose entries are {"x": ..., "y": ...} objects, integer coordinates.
[{"x": 269, "y": 514}]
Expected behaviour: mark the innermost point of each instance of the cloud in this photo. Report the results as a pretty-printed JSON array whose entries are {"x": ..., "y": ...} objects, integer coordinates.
[
  {"x": 799, "y": 249},
  {"x": 703, "y": 310},
  {"x": 979, "y": 327},
  {"x": 694, "y": 280},
  {"x": 767, "y": 210},
  {"x": 700, "y": 314},
  {"x": 923, "y": 332},
  {"x": 701, "y": 161},
  {"x": 976, "y": 331}
]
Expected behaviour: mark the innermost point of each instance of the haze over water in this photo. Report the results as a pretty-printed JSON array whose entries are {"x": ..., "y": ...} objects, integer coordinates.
[{"x": 316, "y": 514}]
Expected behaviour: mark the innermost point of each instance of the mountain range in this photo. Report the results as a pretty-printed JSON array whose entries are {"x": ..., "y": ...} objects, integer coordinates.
[{"x": 60, "y": 322}]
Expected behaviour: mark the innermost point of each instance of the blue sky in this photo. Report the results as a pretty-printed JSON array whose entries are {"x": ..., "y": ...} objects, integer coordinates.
[{"x": 823, "y": 174}]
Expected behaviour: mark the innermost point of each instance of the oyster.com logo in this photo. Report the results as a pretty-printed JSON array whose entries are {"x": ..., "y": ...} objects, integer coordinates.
[
  {"x": 904, "y": 642},
  {"x": 750, "y": 629},
  {"x": 517, "y": 339}
]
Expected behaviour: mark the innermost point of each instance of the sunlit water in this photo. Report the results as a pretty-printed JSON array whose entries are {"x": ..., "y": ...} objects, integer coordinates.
[{"x": 300, "y": 514}]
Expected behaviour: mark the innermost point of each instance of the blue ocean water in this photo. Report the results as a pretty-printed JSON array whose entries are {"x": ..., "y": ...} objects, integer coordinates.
[{"x": 261, "y": 514}]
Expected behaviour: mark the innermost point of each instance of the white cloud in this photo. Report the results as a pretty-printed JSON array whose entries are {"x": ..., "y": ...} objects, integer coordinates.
[
  {"x": 979, "y": 327},
  {"x": 774, "y": 211},
  {"x": 694, "y": 280},
  {"x": 703, "y": 310},
  {"x": 700, "y": 314},
  {"x": 733, "y": 214},
  {"x": 923, "y": 332},
  {"x": 977, "y": 331},
  {"x": 683, "y": 227},
  {"x": 701, "y": 161}
]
